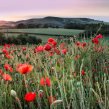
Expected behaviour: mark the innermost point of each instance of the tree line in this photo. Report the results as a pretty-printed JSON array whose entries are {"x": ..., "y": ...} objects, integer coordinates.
[{"x": 87, "y": 27}]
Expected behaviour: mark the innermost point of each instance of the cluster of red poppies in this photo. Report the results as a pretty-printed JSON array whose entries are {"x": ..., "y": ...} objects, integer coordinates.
[
  {"x": 25, "y": 69},
  {"x": 7, "y": 54},
  {"x": 51, "y": 47},
  {"x": 81, "y": 44}
]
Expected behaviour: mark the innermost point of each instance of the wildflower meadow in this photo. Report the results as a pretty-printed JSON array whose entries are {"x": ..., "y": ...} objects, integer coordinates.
[{"x": 55, "y": 75}]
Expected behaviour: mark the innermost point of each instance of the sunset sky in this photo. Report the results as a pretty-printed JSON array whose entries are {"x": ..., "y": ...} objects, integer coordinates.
[{"x": 24, "y": 9}]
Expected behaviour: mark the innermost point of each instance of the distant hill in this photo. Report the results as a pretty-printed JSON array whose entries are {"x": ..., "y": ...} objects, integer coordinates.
[
  {"x": 7, "y": 23},
  {"x": 49, "y": 22}
]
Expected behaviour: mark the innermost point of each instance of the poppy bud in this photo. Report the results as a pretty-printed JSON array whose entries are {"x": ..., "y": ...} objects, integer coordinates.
[{"x": 13, "y": 93}]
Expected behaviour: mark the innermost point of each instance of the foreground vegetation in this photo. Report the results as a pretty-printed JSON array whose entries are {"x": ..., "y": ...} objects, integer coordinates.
[{"x": 55, "y": 75}]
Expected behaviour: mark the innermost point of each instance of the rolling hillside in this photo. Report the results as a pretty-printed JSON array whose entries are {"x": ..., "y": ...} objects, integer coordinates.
[{"x": 50, "y": 21}]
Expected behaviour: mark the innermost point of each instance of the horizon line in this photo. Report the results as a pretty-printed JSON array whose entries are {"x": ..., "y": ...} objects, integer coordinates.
[{"x": 36, "y": 17}]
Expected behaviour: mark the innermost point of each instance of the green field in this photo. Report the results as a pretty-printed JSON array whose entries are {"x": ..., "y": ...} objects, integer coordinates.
[
  {"x": 42, "y": 33},
  {"x": 48, "y": 31}
]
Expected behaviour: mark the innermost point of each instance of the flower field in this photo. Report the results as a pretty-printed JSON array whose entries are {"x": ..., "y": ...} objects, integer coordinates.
[{"x": 56, "y": 75}]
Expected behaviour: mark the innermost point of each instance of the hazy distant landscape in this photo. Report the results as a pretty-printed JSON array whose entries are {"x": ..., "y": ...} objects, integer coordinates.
[
  {"x": 46, "y": 27},
  {"x": 79, "y": 24},
  {"x": 54, "y": 22}
]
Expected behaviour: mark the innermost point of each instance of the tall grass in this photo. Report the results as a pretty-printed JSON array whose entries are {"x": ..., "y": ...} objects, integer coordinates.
[{"x": 70, "y": 88}]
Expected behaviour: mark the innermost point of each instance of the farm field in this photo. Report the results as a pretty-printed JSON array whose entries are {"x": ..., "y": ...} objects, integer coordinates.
[
  {"x": 49, "y": 31},
  {"x": 55, "y": 75},
  {"x": 44, "y": 34}
]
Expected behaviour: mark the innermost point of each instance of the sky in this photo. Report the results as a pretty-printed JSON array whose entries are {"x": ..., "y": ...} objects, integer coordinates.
[{"x": 14, "y": 10}]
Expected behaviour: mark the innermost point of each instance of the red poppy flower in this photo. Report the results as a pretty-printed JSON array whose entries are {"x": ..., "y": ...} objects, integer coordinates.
[
  {"x": 8, "y": 67},
  {"x": 6, "y": 46},
  {"x": 95, "y": 41},
  {"x": 50, "y": 40},
  {"x": 48, "y": 82},
  {"x": 42, "y": 82},
  {"x": 78, "y": 43},
  {"x": 39, "y": 49},
  {"x": 8, "y": 56},
  {"x": 7, "y": 77},
  {"x": 30, "y": 96},
  {"x": 83, "y": 73},
  {"x": 45, "y": 82},
  {"x": 4, "y": 50},
  {"x": 64, "y": 51},
  {"x": 83, "y": 44},
  {"x": 24, "y": 68},
  {"x": 47, "y": 47},
  {"x": 54, "y": 43},
  {"x": 23, "y": 48},
  {"x": 51, "y": 99},
  {"x": 99, "y": 36}
]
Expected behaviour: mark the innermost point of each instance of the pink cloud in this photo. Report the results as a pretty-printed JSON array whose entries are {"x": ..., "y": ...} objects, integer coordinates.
[{"x": 17, "y": 9}]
